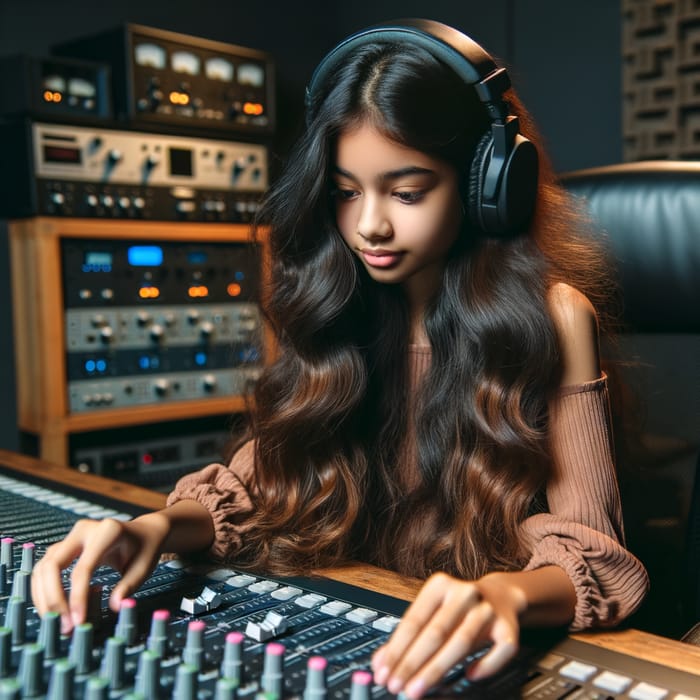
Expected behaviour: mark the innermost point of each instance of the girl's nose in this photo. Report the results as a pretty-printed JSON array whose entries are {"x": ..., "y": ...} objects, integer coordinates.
[{"x": 373, "y": 224}]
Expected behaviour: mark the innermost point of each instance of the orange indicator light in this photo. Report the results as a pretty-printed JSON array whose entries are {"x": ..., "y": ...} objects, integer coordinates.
[
  {"x": 179, "y": 98},
  {"x": 50, "y": 96},
  {"x": 149, "y": 292},
  {"x": 198, "y": 291},
  {"x": 252, "y": 108},
  {"x": 234, "y": 289}
]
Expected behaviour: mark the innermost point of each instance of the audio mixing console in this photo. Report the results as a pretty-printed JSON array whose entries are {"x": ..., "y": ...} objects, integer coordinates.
[{"x": 196, "y": 633}]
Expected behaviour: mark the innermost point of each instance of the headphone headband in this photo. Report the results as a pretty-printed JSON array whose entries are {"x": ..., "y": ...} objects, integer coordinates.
[{"x": 458, "y": 51}]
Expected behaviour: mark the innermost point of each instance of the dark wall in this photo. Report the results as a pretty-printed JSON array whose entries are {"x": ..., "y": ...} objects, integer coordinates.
[{"x": 564, "y": 59}]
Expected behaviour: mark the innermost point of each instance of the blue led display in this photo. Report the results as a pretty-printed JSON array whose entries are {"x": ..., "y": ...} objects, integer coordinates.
[{"x": 145, "y": 255}]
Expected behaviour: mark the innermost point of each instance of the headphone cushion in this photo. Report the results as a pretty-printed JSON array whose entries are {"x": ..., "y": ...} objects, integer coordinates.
[{"x": 475, "y": 184}]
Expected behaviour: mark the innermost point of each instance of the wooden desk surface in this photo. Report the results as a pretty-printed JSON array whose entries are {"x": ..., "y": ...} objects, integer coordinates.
[{"x": 643, "y": 645}]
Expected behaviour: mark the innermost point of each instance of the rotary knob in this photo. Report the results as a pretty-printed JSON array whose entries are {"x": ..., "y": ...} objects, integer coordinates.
[
  {"x": 206, "y": 329},
  {"x": 107, "y": 334},
  {"x": 161, "y": 387},
  {"x": 157, "y": 333},
  {"x": 209, "y": 383}
]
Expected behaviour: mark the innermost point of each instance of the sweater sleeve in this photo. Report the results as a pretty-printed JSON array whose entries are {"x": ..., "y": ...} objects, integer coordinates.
[
  {"x": 225, "y": 491},
  {"x": 582, "y": 531}
]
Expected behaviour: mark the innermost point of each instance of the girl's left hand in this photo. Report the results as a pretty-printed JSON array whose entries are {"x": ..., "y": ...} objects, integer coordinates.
[{"x": 450, "y": 619}]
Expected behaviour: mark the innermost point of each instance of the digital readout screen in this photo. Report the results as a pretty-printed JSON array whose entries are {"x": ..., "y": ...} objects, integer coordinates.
[
  {"x": 145, "y": 255},
  {"x": 62, "y": 154}
]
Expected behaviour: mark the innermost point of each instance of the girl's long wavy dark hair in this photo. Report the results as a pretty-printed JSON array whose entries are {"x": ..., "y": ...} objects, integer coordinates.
[{"x": 330, "y": 416}]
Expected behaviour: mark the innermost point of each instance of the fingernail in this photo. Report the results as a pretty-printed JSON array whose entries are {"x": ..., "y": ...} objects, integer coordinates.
[
  {"x": 66, "y": 624},
  {"x": 415, "y": 689},
  {"x": 381, "y": 674},
  {"x": 394, "y": 686},
  {"x": 76, "y": 619}
]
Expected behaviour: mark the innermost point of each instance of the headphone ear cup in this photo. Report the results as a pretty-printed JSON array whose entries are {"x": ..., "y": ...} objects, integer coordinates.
[
  {"x": 516, "y": 192},
  {"x": 475, "y": 184}
]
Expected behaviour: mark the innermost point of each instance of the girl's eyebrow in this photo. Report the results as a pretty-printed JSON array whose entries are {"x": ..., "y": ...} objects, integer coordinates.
[{"x": 391, "y": 174}]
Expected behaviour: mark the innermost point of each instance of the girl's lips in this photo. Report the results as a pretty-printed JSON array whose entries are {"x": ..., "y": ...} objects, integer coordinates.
[{"x": 380, "y": 258}]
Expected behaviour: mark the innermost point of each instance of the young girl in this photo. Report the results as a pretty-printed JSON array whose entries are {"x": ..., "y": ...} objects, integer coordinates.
[{"x": 438, "y": 406}]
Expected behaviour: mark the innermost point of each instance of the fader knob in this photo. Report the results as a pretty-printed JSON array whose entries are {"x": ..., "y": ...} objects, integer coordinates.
[
  {"x": 272, "y": 678},
  {"x": 28, "y": 550},
  {"x": 206, "y": 329},
  {"x": 186, "y": 683},
  {"x": 5, "y": 650},
  {"x": 30, "y": 670},
  {"x": 157, "y": 641},
  {"x": 97, "y": 689},
  {"x": 315, "y": 688},
  {"x": 233, "y": 657},
  {"x": 62, "y": 680},
  {"x": 126, "y": 621},
  {"x": 9, "y": 689},
  {"x": 193, "y": 653},
  {"x": 6, "y": 548},
  {"x": 113, "y": 663},
  {"x": 148, "y": 674},
  {"x": 16, "y": 619},
  {"x": 80, "y": 652},
  {"x": 49, "y": 634},
  {"x": 361, "y": 685}
]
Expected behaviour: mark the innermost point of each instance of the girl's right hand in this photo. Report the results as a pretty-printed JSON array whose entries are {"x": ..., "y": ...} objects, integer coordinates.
[{"x": 131, "y": 548}]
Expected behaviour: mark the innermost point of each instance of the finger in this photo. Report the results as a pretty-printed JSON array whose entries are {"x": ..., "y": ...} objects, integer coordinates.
[
  {"x": 413, "y": 621},
  {"x": 47, "y": 582},
  {"x": 102, "y": 537},
  {"x": 133, "y": 575},
  {"x": 424, "y": 672},
  {"x": 504, "y": 649}
]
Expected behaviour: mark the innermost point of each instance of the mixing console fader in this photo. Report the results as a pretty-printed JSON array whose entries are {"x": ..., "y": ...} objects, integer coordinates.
[{"x": 203, "y": 633}]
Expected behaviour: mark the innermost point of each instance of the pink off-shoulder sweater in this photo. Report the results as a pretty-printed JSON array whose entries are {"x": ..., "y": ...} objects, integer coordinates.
[{"x": 581, "y": 532}]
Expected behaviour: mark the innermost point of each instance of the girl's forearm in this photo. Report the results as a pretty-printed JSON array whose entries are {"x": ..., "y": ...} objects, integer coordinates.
[
  {"x": 542, "y": 597},
  {"x": 189, "y": 527}
]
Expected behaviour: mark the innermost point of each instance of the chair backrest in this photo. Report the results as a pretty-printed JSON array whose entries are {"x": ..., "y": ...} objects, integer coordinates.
[{"x": 650, "y": 213}]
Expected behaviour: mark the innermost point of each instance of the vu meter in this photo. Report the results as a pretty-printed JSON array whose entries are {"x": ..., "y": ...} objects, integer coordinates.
[{"x": 183, "y": 81}]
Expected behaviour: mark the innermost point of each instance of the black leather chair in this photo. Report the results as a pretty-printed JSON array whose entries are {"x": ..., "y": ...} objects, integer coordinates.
[{"x": 650, "y": 213}]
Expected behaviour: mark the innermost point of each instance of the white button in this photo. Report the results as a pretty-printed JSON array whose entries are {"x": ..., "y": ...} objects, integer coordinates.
[
  {"x": 386, "y": 624},
  {"x": 263, "y": 587},
  {"x": 335, "y": 608},
  {"x": 310, "y": 600},
  {"x": 240, "y": 581},
  {"x": 645, "y": 691},
  {"x": 613, "y": 682},
  {"x": 285, "y": 593},
  {"x": 578, "y": 671},
  {"x": 550, "y": 661},
  {"x": 361, "y": 615}
]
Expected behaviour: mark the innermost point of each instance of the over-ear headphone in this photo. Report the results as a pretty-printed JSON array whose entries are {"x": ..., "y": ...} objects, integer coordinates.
[{"x": 503, "y": 172}]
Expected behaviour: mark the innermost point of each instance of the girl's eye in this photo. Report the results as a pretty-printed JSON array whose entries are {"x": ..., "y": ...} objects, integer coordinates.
[
  {"x": 343, "y": 193},
  {"x": 409, "y": 197}
]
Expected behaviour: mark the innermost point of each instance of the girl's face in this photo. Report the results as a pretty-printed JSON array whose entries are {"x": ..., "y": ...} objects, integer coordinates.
[{"x": 397, "y": 208}]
